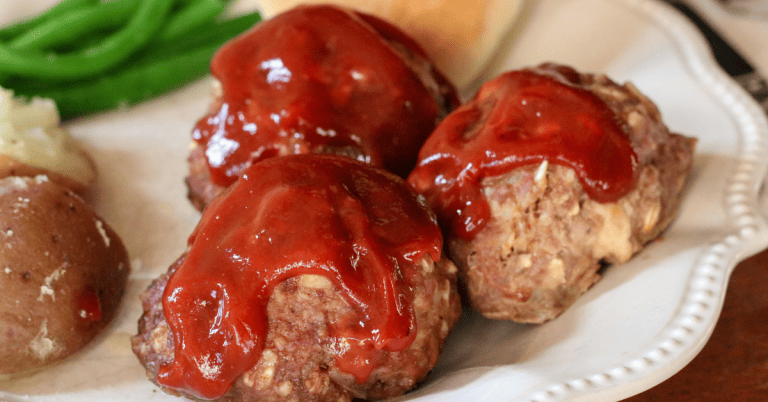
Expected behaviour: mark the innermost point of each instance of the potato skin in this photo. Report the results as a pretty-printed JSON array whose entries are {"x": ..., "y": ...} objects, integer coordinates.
[
  {"x": 63, "y": 272},
  {"x": 11, "y": 167}
]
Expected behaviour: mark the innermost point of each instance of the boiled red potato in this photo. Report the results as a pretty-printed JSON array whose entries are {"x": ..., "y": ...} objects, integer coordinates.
[{"x": 63, "y": 272}]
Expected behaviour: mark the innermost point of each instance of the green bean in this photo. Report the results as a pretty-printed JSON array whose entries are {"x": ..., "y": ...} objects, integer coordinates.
[
  {"x": 214, "y": 35},
  {"x": 130, "y": 86},
  {"x": 106, "y": 75},
  {"x": 74, "y": 24},
  {"x": 168, "y": 66},
  {"x": 219, "y": 32},
  {"x": 146, "y": 21},
  {"x": 62, "y": 7},
  {"x": 194, "y": 15},
  {"x": 70, "y": 26}
]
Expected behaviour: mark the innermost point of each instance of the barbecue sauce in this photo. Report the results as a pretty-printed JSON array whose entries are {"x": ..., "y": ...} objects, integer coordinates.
[
  {"x": 360, "y": 227},
  {"x": 522, "y": 118},
  {"x": 321, "y": 79}
]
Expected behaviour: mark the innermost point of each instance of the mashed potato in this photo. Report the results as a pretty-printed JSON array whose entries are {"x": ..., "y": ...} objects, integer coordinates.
[{"x": 30, "y": 133}]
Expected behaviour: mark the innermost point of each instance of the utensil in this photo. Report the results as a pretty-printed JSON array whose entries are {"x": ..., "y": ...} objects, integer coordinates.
[
  {"x": 728, "y": 57},
  {"x": 747, "y": 8}
]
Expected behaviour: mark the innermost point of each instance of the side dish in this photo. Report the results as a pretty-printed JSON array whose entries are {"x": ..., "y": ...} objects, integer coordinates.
[
  {"x": 32, "y": 142},
  {"x": 63, "y": 270},
  {"x": 91, "y": 55},
  {"x": 312, "y": 278},
  {"x": 318, "y": 79},
  {"x": 545, "y": 176}
]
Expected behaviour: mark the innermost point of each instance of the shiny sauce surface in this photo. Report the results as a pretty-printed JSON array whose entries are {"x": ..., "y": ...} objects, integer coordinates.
[
  {"x": 88, "y": 305},
  {"x": 361, "y": 228},
  {"x": 522, "y": 118},
  {"x": 319, "y": 79}
]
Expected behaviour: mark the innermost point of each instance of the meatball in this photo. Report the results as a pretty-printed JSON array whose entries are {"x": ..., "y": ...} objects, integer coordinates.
[
  {"x": 63, "y": 272},
  {"x": 312, "y": 278},
  {"x": 561, "y": 173},
  {"x": 317, "y": 79}
]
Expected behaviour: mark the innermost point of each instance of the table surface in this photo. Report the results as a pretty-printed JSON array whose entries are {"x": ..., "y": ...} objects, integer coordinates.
[{"x": 733, "y": 366}]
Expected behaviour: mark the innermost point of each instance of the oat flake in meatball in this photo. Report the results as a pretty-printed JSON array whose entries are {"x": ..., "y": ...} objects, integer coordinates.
[
  {"x": 317, "y": 79},
  {"x": 312, "y": 278},
  {"x": 545, "y": 175}
]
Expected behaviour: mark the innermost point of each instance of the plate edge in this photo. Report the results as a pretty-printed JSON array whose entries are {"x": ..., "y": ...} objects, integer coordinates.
[{"x": 690, "y": 329}]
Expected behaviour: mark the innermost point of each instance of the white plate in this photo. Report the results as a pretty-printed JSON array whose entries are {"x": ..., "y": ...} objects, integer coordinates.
[{"x": 643, "y": 322}]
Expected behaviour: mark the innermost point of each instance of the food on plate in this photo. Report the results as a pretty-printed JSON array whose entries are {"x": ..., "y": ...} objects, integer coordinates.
[
  {"x": 460, "y": 36},
  {"x": 144, "y": 48},
  {"x": 545, "y": 176},
  {"x": 32, "y": 142},
  {"x": 63, "y": 271},
  {"x": 312, "y": 278},
  {"x": 12, "y": 30},
  {"x": 319, "y": 79}
]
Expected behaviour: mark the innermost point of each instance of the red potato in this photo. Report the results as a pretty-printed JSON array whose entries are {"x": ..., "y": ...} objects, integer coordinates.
[
  {"x": 12, "y": 167},
  {"x": 63, "y": 272}
]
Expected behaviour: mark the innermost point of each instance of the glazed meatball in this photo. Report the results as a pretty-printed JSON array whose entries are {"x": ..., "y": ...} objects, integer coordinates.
[
  {"x": 547, "y": 175},
  {"x": 312, "y": 278},
  {"x": 63, "y": 272},
  {"x": 317, "y": 79}
]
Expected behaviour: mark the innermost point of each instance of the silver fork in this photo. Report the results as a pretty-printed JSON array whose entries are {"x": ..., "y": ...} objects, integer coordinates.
[
  {"x": 747, "y": 8},
  {"x": 728, "y": 58}
]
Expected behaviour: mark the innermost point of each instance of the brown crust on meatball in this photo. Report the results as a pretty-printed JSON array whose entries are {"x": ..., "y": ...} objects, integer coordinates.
[
  {"x": 63, "y": 272},
  {"x": 201, "y": 190},
  {"x": 297, "y": 363},
  {"x": 546, "y": 239}
]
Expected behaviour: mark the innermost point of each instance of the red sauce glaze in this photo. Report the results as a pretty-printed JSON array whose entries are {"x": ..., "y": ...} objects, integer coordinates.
[
  {"x": 321, "y": 79},
  {"x": 88, "y": 305},
  {"x": 362, "y": 228},
  {"x": 522, "y": 118}
]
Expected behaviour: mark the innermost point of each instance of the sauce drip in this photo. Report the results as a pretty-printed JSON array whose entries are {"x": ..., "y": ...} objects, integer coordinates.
[
  {"x": 358, "y": 226},
  {"x": 522, "y": 118},
  {"x": 325, "y": 80},
  {"x": 89, "y": 305}
]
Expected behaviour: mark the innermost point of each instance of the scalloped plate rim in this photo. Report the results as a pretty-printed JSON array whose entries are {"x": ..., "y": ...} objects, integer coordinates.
[{"x": 688, "y": 332}]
